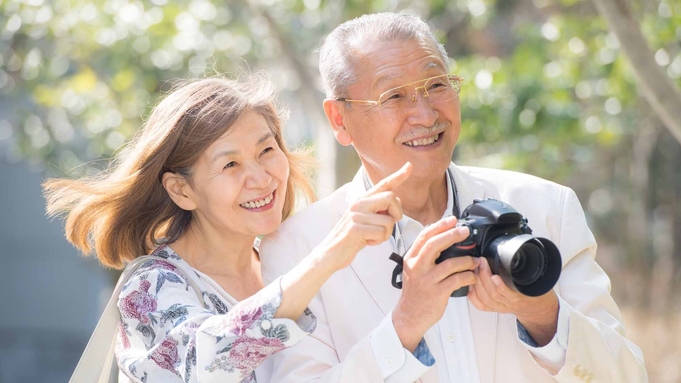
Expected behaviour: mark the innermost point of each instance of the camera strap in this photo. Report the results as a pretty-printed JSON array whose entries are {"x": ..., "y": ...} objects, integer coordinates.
[{"x": 397, "y": 239}]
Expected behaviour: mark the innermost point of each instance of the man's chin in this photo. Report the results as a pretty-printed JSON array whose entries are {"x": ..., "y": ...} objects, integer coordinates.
[{"x": 432, "y": 171}]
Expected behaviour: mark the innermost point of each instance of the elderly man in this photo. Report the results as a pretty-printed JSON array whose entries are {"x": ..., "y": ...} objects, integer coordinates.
[{"x": 389, "y": 94}]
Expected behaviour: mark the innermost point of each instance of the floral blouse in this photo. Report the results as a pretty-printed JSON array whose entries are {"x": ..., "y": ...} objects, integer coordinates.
[{"x": 167, "y": 335}]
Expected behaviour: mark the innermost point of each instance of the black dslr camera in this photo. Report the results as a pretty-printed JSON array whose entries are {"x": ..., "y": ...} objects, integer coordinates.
[{"x": 528, "y": 264}]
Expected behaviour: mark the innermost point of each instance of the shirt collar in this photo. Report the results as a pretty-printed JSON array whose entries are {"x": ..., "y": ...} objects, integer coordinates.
[
  {"x": 450, "y": 192},
  {"x": 410, "y": 228}
]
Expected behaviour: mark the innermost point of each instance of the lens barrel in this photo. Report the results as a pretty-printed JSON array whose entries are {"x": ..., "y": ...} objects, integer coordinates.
[{"x": 527, "y": 263}]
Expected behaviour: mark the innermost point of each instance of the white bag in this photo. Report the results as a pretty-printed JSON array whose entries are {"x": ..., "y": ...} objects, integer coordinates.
[{"x": 96, "y": 363}]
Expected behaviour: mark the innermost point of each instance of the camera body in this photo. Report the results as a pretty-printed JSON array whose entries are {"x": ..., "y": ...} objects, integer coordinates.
[{"x": 527, "y": 264}]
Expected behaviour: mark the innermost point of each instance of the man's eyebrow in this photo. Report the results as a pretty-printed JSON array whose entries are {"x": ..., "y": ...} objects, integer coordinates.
[
  {"x": 226, "y": 153},
  {"x": 386, "y": 78},
  {"x": 434, "y": 64}
]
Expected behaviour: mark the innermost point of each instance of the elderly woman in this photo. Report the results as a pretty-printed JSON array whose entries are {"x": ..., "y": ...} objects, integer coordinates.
[{"x": 206, "y": 175}]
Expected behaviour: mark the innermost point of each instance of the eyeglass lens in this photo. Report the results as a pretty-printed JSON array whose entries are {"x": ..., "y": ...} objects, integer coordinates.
[{"x": 435, "y": 90}]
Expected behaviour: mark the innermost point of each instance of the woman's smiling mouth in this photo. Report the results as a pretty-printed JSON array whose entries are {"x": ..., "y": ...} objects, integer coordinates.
[{"x": 259, "y": 203}]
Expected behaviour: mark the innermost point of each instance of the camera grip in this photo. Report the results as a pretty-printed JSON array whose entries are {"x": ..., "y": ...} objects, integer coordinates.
[
  {"x": 458, "y": 250},
  {"x": 461, "y": 292}
]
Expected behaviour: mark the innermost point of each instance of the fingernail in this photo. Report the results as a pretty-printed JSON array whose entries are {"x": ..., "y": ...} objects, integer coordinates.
[{"x": 496, "y": 281}]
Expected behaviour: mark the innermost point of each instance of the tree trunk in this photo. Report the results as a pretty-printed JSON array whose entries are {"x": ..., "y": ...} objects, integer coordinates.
[
  {"x": 657, "y": 87},
  {"x": 337, "y": 164}
]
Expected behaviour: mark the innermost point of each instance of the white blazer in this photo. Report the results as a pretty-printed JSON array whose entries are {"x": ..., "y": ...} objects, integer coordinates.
[{"x": 356, "y": 299}]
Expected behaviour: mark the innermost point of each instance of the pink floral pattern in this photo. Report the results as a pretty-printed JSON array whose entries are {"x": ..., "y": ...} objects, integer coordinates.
[
  {"x": 123, "y": 336},
  {"x": 238, "y": 324},
  {"x": 138, "y": 304},
  {"x": 165, "y": 355},
  {"x": 160, "y": 264},
  {"x": 162, "y": 320},
  {"x": 248, "y": 353}
]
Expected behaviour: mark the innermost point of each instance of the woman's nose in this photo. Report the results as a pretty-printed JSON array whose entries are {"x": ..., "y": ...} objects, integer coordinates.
[{"x": 258, "y": 177}]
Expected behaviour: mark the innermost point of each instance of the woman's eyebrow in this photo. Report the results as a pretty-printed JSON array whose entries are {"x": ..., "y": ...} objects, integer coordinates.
[
  {"x": 265, "y": 137},
  {"x": 225, "y": 153}
]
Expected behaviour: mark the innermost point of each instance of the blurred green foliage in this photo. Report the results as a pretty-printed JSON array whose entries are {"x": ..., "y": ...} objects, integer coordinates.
[{"x": 546, "y": 85}]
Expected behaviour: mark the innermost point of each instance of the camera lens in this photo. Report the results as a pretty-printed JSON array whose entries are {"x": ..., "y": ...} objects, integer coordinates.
[{"x": 527, "y": 265}]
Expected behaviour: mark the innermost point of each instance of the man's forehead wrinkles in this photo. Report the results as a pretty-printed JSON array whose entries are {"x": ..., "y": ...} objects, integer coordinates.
[
  {"x": 410, "y": 57},
  {"x": 433, "y": 62},
  {"x": 387, "y": 77}
]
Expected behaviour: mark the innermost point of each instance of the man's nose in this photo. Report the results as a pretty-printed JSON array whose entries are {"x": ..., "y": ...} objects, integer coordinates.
[
  {"x": 258, "y": 177},
  {"x": 419, "y": 92},
  {"x": 421, "y": 111}
]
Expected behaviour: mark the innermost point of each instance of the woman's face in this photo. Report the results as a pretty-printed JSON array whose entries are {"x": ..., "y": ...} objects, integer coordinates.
[{"x": 239, "y": 182}]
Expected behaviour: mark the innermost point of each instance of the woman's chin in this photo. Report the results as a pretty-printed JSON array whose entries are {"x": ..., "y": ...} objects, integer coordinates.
[{"x": 269, "y": 228}]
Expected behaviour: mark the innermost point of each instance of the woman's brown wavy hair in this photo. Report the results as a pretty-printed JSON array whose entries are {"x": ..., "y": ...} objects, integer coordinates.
[{"x": 124, "y": 211}]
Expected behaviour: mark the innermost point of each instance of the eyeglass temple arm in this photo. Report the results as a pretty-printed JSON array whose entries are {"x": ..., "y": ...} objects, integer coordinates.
[{"x": 343, "y": 99}]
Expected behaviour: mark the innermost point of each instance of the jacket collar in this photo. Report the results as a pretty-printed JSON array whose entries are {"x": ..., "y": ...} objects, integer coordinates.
[{"x": 468, "y": 188}]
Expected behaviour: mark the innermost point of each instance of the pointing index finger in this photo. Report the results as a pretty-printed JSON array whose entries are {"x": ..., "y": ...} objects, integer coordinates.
[{"x": 394, "y": 180}]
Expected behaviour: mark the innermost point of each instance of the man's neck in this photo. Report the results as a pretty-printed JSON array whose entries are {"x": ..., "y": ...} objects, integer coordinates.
[{"x": 422, "y": 201}]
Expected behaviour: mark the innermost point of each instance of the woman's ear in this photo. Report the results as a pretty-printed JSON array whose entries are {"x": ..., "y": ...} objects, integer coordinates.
[
  {"x": 335, "y": 116},
  {"x": 179, "y": 190}
]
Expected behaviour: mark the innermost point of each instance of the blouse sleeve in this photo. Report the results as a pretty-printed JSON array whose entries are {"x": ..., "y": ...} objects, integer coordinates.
[{"x": 167, "y": 335}]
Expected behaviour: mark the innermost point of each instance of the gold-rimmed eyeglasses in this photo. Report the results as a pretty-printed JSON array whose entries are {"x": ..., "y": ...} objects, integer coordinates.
[{"x": 435, "y": 89}]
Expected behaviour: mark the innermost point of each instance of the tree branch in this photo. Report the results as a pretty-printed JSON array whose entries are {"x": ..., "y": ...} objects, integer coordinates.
[
  {"x": 657, "y": 87},
  {"x": 338, "y": 164}
]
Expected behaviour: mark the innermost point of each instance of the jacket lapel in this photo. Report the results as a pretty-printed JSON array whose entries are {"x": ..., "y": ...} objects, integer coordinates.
[
  {"x": 374, "y": 269},
  {"x": 372, "y": 265},
  {"x": 467, "y": 187}
]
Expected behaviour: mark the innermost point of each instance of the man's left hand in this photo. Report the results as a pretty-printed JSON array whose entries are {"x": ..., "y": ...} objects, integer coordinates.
[{"x": 539, "y": 315}]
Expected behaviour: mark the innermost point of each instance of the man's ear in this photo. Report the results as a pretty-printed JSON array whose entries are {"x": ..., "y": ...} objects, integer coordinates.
[
  {"x": 334, "y": 114},
  {"x": 179, "y": 190}
]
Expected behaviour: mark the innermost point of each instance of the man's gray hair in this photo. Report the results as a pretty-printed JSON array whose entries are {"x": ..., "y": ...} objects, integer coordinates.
[{"x": 338, "y": 55}]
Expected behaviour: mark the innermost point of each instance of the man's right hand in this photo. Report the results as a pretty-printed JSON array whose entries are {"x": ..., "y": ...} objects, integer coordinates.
[
  {"x": 426, "y": 286},
  {"x": 368, "y": 221}
]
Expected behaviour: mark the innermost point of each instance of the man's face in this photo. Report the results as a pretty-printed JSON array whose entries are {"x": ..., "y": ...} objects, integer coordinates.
[{"x": 422, "y": 132}]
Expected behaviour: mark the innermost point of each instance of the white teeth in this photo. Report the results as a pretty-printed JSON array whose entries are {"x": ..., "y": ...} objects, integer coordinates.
[
  {"x": 422, "y": 141},
  {"x": 258, "y": 203}
]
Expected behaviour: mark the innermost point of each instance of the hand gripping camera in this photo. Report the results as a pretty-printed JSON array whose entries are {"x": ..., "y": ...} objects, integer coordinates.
[{"x": 526, "y": 263}]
